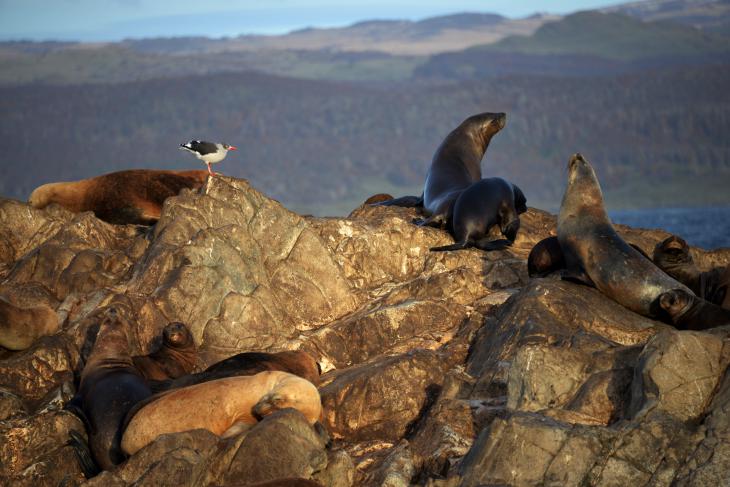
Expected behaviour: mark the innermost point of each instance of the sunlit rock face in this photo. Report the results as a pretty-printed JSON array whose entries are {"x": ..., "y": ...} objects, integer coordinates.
[{"x": 439, "y": 368}]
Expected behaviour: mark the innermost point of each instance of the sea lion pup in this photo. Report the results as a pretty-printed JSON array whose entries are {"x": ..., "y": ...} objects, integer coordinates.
[
  {"x": 595, "y": 254},
  {"x": 485, "y": 203},
  {"x": 223, "y": 407},
  {"x": 20, "y": 327},
  {"x": 110, "y": 385},
  {"x": 672, "y": 255},
  {"x": 175, "y": 357},
  {"x": 125, "y": 197},
  {"x": 297, "y": 362},
  {"x": 689, "y": 312}
]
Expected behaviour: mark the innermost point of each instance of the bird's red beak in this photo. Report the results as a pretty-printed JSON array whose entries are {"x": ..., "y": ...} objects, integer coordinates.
[{"x": 232, "y": 148}]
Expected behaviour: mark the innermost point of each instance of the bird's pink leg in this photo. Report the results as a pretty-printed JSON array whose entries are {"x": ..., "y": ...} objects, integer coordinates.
[{"x": 209, "y": 170}]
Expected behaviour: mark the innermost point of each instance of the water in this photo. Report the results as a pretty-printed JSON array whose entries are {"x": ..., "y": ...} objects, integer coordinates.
[{"x": 708, "y": 228}]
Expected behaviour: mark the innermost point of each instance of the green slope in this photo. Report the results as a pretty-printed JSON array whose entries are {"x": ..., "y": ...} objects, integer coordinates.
[{"x": 613, "y": 36}]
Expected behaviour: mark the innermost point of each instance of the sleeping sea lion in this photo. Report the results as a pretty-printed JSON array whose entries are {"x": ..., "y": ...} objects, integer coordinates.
[
  {"x": 594, "y": 253},
  {"x": 689, "y": 312},
  {"x": 223, "y": 407},
  {"x": 175, "y": 357},
  {"x": 125, "y": 197},
  {"x": 297, "y": 362},
  {"x": 672, "y": 255}
]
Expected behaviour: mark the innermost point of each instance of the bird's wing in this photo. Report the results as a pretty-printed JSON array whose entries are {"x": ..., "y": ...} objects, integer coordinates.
[{"x": 202, "y": 147}]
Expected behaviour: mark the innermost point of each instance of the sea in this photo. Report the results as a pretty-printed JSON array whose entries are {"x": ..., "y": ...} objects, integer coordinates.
[{"x": 708, "y": 228}]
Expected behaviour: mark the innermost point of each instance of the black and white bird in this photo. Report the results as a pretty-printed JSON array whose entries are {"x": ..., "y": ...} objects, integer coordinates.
[{"x": 208, "y": 152}]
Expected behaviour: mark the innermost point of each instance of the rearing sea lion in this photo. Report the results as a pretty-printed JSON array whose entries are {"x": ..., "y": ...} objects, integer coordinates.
[
  {"x": 594, "y": 253},
  {"x": 125, "y": 197}
]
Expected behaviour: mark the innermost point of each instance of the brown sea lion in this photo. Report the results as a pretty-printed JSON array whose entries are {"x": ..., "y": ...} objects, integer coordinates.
[
  {"x": 377, "y": 198},
  {"x": 20, "y": 327},
  {"x": 175, "y": 357},
  {"x": 594, "y": 253},
  {"x": 547, "y": 257},
  {"x": 689, "y": 312},
  {"x": 125, "y": 197},
  {"x": 222, "y": 406},
  {"x": 485, "y": 203},
  {"x": 110, "y": 385},
  {"x": 297, "y": 362},
  {"x": 672, "y": 255}
]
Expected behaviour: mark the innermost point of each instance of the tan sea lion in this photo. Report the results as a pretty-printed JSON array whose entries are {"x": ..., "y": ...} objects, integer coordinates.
[
  {"x": 594, "y": 253},
  {"x": 110, "y": 385},
  {"x": 125, "y": 197},
  {"x": 175, "y": 357},
  {"x": 20, "y": 327},
  {"x": 223, "y": 407},
  {"x": 297, "y": 362}
]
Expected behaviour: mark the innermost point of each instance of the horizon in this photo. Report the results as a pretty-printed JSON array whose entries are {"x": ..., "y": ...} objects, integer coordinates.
[{"x": 117, "y": 20}]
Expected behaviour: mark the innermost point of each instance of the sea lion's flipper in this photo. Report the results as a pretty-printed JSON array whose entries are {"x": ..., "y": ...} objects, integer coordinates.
[
  {"x": 236, "y": 429},
  {"x": 404, "y": 201},
  {"x": 577, "y": 277},
  {"x": 75, "y": 408},
  {"x": 487, "y": 244},
  {"x": 456, "y": 246},
  {"x": 83, "y": 454}
]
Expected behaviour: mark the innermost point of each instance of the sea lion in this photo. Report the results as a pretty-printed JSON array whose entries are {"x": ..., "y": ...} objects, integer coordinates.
[
  {"x": 222, "y": 406},
  {"x": 110, "y": 385},
  {"x": 689, "y": 312},
  {"x": 125, "y": 197},
  {"x": 175, "y": 357},
  {"x": 594, "y": 253},
  {"x": 20, "y": 327},
  {"x": 377, "y": 198},
  {"x": 547, "y": 257},
  {"x": 297, "y": 362},
  {"x": 672, "y": 255},
  {"x": 485, "y": 203}
]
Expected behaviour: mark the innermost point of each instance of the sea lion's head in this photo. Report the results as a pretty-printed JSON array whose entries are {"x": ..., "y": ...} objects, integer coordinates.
[
  {"x": 671, "y": 252},
  {"x": 583, "y": 191},
  {"x": 177, "y": 335},
  {"x": 676, "y": 303},
  {"x": 484, "y": 125}
]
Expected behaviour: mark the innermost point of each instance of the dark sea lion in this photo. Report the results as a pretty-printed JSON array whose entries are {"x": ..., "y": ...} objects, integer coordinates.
[
  {"x": 21, "y": 326},
  {"x": 175, "y": 357},
  {"x": 689, "y": 312},
  {"x": 594, "y": 253},
  {"x": 545, "y": 257},
  {"x": 485, "y": 203},
  {"x": 297, "y": 362},
  {"x": 672, "y": 255},
  {"x": 110, "y": 385},
  {"x": 125, "y": 197},
  {"x": 223, "y": 407},
  {"x": 457, "y": 164}
]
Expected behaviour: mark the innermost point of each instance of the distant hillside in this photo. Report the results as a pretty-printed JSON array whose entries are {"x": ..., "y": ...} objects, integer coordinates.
[
  {"x": 324, "y": 147},
  {"x": 585, "y": 43},
  {"x": 709, "y": 15}
]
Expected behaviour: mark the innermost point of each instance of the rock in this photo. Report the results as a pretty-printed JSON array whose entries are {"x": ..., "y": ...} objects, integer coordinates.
[
  {"x": 679, "y": 372},
  {"x": 379, "y": 400},
  {"x": 34, "y": 448}
]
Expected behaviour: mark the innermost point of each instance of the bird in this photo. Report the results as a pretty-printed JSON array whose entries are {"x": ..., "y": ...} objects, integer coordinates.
[{"x": 208, "y": 152}]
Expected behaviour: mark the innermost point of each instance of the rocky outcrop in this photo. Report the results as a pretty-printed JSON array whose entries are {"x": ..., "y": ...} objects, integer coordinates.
[{"x": 440, "y": 368}]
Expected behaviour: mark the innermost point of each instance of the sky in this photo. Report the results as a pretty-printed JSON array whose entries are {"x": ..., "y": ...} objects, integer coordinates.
[{"x": 111, "y": 20}]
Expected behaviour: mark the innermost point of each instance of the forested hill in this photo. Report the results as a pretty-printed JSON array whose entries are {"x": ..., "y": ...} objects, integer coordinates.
[
  {"x": 327, "y": 145},
  {"x": 322, "y": 129}
]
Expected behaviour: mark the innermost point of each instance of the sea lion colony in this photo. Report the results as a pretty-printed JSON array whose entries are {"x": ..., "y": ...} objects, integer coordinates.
[{"x": 116, "y": 393}]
